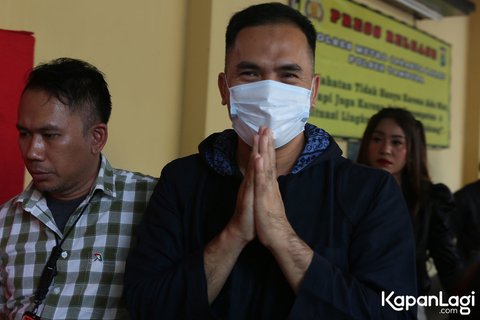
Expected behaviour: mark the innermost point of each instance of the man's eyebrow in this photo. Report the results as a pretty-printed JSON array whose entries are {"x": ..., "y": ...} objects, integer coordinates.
[
  {"x": 247, "y": 65},
  {"x": 48, "y": 127},
  {"x": 290, "y": 67}
]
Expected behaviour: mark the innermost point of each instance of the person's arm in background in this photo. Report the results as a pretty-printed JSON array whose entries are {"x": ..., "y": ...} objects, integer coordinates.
[
  {"x": 2, "y": 295},
  {"x": 440, "y": 241},
  {"x": 466, "y": 222},
  {"x": 6, "y": 210}
]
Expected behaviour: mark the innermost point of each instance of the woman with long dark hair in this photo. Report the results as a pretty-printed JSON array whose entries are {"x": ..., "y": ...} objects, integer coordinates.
[{"x": 395, "y": 141}]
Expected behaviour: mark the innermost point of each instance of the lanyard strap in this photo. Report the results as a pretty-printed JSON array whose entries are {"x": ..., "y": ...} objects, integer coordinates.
[{"x": 50, "y": 269}]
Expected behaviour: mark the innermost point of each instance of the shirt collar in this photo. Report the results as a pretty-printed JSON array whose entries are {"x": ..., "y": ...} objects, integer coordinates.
[
  {"x": 105, "y": 182},
  {"x": 106, "y": 179}
]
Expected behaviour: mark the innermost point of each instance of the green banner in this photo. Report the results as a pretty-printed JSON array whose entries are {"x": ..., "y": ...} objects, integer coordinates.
[{"x": 368, "y": 61}]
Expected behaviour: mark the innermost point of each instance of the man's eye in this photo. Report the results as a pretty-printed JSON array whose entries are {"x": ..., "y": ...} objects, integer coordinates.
[
  {"x": 249, "y": 74},
  {"x": 51, "y": 135},
  {"x": 23, "y": 134},
  {"x": 290, "y": 75}
]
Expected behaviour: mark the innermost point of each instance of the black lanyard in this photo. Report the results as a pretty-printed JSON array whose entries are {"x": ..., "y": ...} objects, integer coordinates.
[{"x": 50, "y": 269}]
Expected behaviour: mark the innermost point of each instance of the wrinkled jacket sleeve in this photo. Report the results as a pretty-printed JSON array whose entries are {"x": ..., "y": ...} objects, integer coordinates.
[
  {"x": 381, "y": 259},
  {"x": 466, "y": 221},
  {"x": 161, "y": 281},
  {"x": 440, "y": 242}
]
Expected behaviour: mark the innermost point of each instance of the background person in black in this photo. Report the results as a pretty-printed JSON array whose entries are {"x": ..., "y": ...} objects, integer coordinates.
[{"x": 395, "y": 142}]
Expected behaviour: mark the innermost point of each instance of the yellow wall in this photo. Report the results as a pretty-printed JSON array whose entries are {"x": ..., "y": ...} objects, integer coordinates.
[
  {"x": 471, "y": 128},
  {"x": 162, "y": 59},
  {"x": 139, "y": 45},
  {"x": 446, "y": 165}
]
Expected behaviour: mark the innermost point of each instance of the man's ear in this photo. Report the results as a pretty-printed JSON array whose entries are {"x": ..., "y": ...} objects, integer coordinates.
[
  {"x": 315, "y": 86},
  {"x": 98, "y": 137},
  {"x": 223, "y": 88}
]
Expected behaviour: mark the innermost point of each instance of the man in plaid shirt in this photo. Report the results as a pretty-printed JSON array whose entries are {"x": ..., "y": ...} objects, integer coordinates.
[{"x": 79, "y": 213}]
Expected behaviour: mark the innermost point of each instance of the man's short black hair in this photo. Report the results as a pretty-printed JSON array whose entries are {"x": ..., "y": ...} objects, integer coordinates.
[
  {"x": 77, "y": 84},
  {"x": 269, "y": 13}
]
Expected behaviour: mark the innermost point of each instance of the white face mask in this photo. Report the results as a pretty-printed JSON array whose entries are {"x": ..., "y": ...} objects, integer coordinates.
[{"x": 281, "y": 107}]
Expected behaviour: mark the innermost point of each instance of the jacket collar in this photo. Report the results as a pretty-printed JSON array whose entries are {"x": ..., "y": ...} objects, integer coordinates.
[{"x": 219, "y": 150}]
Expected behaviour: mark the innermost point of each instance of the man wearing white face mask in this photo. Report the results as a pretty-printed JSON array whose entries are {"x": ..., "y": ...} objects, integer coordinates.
[
  {"x": 281, "y": 107},
  {"x": 268, "y": 221}
]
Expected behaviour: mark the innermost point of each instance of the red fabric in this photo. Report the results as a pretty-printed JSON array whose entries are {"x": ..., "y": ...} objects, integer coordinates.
[{"x": 16, "y": 60}]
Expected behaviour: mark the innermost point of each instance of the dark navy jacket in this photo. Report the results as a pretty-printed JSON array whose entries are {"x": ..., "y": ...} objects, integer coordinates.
[{"x": 353, "y": 217}]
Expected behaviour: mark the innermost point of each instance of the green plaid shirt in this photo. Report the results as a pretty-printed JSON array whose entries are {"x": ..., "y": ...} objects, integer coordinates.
[{"x": 89, "y": 282}]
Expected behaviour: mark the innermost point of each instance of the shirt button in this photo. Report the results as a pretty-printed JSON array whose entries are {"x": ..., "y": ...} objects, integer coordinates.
[
  {"x": 56, "y": 290},
  {"x": 64, "y": 254}
]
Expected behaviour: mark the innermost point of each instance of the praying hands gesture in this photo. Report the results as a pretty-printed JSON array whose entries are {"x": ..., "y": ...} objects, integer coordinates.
[{"x": 259, "y": 213}]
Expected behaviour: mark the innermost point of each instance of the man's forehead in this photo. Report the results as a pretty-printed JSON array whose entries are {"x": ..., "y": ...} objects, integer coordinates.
[
  {"x": 253, "y": 41},
  {"x": 248, "y": 33}
]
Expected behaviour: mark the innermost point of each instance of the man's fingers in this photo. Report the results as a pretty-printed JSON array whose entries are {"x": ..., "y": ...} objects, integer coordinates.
[{"x": 266, "y": 149}]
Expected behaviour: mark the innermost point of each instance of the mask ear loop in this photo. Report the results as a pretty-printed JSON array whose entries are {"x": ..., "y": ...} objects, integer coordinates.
[
  {"x": 312, "y": 104},
  {"x": 226, "y": 81},
  {"x": 232, "y": 107},
  {"x": 227, "y": 91}
]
